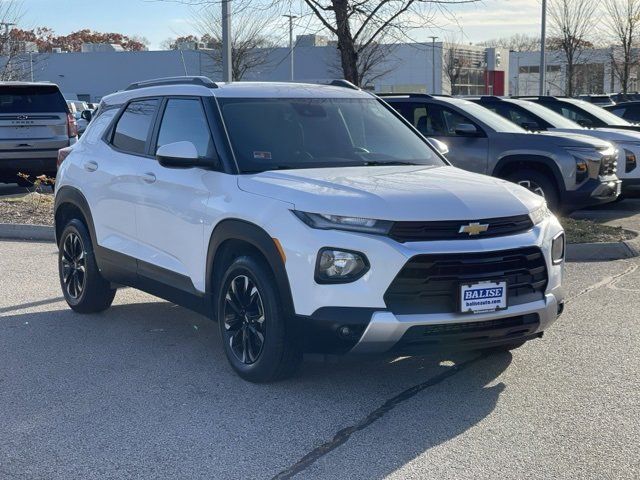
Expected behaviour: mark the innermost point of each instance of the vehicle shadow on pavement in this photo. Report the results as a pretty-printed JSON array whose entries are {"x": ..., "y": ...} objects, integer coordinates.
[{"x": 145, "y": 389}]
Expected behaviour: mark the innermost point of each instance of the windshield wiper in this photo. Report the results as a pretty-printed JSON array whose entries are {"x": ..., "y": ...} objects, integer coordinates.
[{"x": 375, "y": 163}]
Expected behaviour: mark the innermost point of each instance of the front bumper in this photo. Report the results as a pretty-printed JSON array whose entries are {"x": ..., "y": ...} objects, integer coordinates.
[
  {"x": 593, "y": 192},
  {"x": 388, "y": 332}
]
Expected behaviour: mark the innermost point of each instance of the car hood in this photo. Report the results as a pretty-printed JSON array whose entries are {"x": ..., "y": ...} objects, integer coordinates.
[
  {"x": 571, "y": 138},
  {"x": 394, "y": 192},
  {"x": 608, "y": 134}
]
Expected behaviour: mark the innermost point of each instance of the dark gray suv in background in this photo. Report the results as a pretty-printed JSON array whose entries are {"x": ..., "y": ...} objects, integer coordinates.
[
  {"x": 571, "y": 171},
  {"x": 34, "y": 124}
]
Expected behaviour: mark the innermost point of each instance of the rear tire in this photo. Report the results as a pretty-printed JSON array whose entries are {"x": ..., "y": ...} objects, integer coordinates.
[
  {"x": 538, "y": 183},
  {"x": 83, "y": 287},
  {"x": 253, "y": 325}
]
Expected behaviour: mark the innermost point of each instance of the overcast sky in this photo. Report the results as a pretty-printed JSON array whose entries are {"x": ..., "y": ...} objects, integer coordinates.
[{"x": 159, "y": 20}]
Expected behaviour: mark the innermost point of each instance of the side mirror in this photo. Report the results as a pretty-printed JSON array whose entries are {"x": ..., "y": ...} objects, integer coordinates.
[
  {"x": 441, "y": 147},
  {"x": 178, "y": 155},
  {"x": 531, "y": 126},
  {"x": 86, "y": 115},
  {"x": 466, "y": 130}
]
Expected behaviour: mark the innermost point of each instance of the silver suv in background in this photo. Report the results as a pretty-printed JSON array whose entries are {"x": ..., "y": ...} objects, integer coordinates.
[
  {"x": 571, "y": 171},
  {"x": 34, "y": 124}
]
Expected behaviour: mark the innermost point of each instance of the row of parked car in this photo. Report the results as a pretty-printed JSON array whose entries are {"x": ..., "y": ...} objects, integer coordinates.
[{"x": 570, "y": 151}]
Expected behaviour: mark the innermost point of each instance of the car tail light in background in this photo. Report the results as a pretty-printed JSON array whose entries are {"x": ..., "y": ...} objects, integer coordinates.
[
  {"x": 62, "y": 154},
  {"x": 72, "y": 125}
]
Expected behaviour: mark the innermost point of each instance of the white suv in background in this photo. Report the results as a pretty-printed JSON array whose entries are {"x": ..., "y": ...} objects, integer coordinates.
[{"x": 304, "y": 218}]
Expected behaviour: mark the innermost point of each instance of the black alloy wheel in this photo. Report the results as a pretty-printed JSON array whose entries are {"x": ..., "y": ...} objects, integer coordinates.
[
  {"x": 244, "y": 319},
  {"x": 74, "y": 265}
]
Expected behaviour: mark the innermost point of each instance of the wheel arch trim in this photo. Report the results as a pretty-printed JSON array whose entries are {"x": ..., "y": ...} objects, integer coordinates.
[
  {"x": 71, "y": 195},
  {"x": 547, "y": 162},
  {"x": 257, "y": 237}
]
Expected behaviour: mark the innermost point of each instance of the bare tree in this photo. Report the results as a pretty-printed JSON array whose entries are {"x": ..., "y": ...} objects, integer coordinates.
[
  {"x": 251, "y": 48},
  {"x": 374, "y": 61},
  {"x": 13, "y": 63},
  {"x": 519, "y": 42},
  {"x": 570, "y": 25},
  {"x": 624, "y": 23},
  {"x": 359, "y": 23},
  {"x": 454, "y": 62}
]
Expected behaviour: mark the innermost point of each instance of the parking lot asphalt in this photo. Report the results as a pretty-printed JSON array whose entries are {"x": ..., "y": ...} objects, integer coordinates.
[{"x": 143, "y": 391}]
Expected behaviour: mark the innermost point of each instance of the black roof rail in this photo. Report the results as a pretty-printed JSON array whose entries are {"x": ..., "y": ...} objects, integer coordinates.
[
  {"x": 156, "y": 82},
  {"x": 401, "y": 94},
  {"x": 537, "y": 97},
  {"x": 490, "y": 97},
  {"x": 341, "y": 82}
]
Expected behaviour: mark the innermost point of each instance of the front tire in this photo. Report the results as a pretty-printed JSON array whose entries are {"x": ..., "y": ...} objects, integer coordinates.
[
  {"x": 83, "y": 287},
  {"x": 538, "y": 183},
  {"x": 253, "y": 324}
]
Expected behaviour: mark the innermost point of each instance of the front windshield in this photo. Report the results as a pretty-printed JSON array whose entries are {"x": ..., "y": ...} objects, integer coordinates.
[
  {"x": 549, "y": 116},
  {"x": 290, "y": 133},
  {"x": 599, "y": 112},
  {"x": 489, "y": 118}
]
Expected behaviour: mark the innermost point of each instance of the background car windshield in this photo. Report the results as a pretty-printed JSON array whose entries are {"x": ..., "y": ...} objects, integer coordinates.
[
  {"x": 549, "y": 116},
  {"x": 599, "y": 112},
  {"x": 282, "y": 133},
  {"x": 489, "y": 118},
  {"x": 40, "y": 99}
]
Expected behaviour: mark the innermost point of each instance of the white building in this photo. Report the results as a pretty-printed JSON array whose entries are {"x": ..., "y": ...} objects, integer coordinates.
[
  {"x": 594, "y": 73},
  {"x": 406, "y": 67}
]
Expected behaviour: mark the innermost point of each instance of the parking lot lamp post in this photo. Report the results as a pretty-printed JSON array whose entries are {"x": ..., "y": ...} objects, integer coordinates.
[
  {"x": 291, "y": 46},
  {"x": 543, "y": 41},
  {"x": 433, "y": 64},
  {"x": 226, "y": 41}
]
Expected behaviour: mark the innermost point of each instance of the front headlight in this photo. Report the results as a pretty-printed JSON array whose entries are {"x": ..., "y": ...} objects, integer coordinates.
[
  {"x": 540, "y": 214},
  {"x": 338, "y": 222},
  {"x": 587, "y": 160}
]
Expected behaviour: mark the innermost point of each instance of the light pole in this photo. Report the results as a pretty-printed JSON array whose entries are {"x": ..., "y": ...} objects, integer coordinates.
[
  {"x": 226, "y": 41},
  {"x": 433, "y": 64},
  {"x": 291, "y": 17},
  {"x": 543, "y": 41}
]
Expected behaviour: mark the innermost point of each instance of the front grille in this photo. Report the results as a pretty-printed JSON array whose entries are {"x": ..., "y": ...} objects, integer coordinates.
[
  {"x": 608, "y": 166},
  {"x": 450, "y": 229},
  {"x": 430, "y": 283}
]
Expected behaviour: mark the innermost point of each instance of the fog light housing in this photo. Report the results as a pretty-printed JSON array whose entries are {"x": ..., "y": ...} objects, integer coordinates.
[
  {"x": 558, "y": 248},
  {"x": 340, "y": 266}
]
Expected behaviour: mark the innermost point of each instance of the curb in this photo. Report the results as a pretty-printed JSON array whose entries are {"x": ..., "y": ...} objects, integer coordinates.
[
  {"x": 599, "y": 252},
  {"x": 576, "y": 252},
  {"x": 19, "y": 231}
]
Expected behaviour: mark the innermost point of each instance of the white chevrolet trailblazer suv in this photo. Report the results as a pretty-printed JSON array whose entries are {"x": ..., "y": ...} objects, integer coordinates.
[{"x": 303, "y": 218}]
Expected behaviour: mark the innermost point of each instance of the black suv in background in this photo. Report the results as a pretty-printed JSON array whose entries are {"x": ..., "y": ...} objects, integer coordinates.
[{"x": 34, "y": 124}]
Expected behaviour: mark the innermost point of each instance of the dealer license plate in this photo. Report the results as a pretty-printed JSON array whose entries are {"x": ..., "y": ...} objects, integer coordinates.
[{"x": 483, "y": 297}]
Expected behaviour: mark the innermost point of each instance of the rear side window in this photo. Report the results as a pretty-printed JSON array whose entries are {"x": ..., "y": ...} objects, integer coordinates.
[
  {"x": 132, "y": 129},
  {"x": 32, "y": 99},
  {"x": 184, "y": 121}
]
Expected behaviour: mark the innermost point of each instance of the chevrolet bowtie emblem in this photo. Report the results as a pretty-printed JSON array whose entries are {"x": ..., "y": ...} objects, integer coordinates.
[{"x": 473, "y": 228}]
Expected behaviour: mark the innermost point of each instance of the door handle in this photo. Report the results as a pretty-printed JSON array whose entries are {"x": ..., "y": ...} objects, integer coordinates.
[
  {"x": 91, "y": 166},
  {"x": 148, "y": 177}
]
